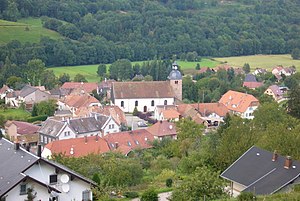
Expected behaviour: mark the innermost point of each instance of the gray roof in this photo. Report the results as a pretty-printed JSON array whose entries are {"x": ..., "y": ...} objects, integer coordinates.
[
  {"x": 88, "y": 124},
  {"x": 51, "y": 127},
  {"x": 26, "y": 90},
  {"x": 257, "y": 172},
  {"x": 250, "y": 78},
  {"x": 13, "y": 163}
]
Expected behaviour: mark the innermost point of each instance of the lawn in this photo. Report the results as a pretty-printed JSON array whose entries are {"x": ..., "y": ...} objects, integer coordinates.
[
  {"x": 16, "y": 114},
  {"x": 262, "y": 61},
  {"x": 17, "y": 31},
  {"x": 90, "y": 71}
]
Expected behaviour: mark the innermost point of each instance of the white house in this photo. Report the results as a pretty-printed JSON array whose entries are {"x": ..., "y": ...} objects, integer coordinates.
[
  {"x": 52, "y": 129},
  {"x": 47, "y": 180},
  {"x": 145, "y": 96}
]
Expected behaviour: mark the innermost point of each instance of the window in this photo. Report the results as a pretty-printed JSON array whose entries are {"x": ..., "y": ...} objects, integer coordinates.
[
  {"x": 122, "y": 103},
  {"x": 136, "y": 103},
  {"x": 129, "y": 143},
  {"x": 137, "y": 142},
  {"x": 165, "y": 102},
  {"x": 176, "y": 82},
  {"x": 23, "y": 189},
  {"x": 86, "y": 195},
  {"x": 53, "y": 178},
  {"x": 152, "y": 103},
  {"x": 67, "y": 133},
  {"x": 112, "y": 126}
]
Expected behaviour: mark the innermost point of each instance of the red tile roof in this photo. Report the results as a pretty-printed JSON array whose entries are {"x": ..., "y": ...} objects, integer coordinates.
[
  {"x": 24, "y": 127},
  {"x": 171, "y": 114},
  {"x": 162, "y": 128},
  {"x": 86, "y": 86},
  {"x": 4, "y": 89},
  {"x": 153, "y": 89},
  {"x": 252, "y": 85},
  {"x": 237, "y": 101},
  {"x": 78, "y": 101},
  {"x": 114, "y": 111},
  {"x": 186, "y": 110},
  {"x": 78, "y": 147},
  {"x": 208, "y": 108},
  {"x": 129, "y": 140}
]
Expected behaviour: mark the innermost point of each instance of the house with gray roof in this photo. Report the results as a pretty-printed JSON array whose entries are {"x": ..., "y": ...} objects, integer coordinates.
[
  {"x": 23, "y": 170},
  {"x": 53, "y": 129},
  {"x": 262, "y": 172}
]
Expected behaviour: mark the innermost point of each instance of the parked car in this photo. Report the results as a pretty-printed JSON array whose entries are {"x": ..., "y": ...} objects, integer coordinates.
[{"x": 141, "y": 124}]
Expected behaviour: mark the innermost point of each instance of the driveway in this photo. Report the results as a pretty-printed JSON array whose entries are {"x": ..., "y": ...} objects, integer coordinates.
[
  {"x": 161, "y": 197},
  {"x": 132, "y": 121}
]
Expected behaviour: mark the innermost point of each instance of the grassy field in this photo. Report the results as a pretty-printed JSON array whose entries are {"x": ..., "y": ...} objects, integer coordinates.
[
  {"x": 17, "y": 31},
  {"x": 262, "y": 61},
  {"x": 90, "y": 71},
  {"x": 16, "y": 114}
]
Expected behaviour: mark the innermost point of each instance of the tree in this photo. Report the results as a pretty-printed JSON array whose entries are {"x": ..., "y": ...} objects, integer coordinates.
[
  {"x": 44, "y": 108},
  {"x": 48, "y": 79},
  {"x": 79, "y": 78},
  {"x": 12, "y": 12},
  {"x": 246, "y": 68},
  {"x": 34, "y": 70},
  {"x": 101, "y": 70},
  {"x": 149, "y": 195},
  {"x": 13, "y": 81},
  {"x": 64, "y": 78},
  {"x": 294, "y": 102},
  {"x": 30, "y": 194},
  {"x": 197, "y": 66},
  {"x": 200, "y": 185},
  {"x": 296, "y": 53},
  {"x": 121, "y": 70}
]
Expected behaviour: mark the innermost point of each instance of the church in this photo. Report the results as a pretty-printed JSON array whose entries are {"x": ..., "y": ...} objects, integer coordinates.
[{"x": 145, "y": 96}]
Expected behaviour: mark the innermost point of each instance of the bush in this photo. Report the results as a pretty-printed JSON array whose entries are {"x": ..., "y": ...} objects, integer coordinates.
[
  {"x": 246, "y": 196},
  {"x": 149, "y": 195},
  {"x": 135, "y": 112},
  {"x": 37, "y": 118},
  {"x": 169, "y": 183},
  {"x": 131, "y": 194}
]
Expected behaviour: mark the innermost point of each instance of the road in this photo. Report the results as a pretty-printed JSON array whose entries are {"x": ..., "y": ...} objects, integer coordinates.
[{"x": 161, "y": 197}]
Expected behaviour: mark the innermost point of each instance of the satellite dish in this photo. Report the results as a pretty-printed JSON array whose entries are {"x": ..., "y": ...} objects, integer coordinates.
[
  {"x": 64, "y": 178},
  {"x": 65, "y": 188}
]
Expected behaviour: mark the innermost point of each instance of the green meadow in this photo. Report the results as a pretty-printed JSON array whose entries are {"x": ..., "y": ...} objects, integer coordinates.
[{"x": 25, "y": 30}]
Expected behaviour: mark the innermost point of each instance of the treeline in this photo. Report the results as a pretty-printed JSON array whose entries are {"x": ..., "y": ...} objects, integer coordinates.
[{"x": 104, "y": 31}]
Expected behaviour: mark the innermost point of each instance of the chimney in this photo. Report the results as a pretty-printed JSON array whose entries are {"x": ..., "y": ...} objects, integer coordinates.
[
  {"x": 39, "y": 150},
  {"x": 116, "y": 145},
  {"x": 288, "y": 162},
  {"x": 85, "y": 139},
  {"x": 27, "y": 147},
  {"x": 17, "y": 145},
  {"x": 275, "y": 156},
  {"x": 160, "y": 121}
]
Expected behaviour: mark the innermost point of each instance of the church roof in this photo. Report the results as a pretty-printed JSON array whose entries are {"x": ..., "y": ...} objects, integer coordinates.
[
  {"x": 151, "y": 89},
  {"x": 175, "y": 75}
]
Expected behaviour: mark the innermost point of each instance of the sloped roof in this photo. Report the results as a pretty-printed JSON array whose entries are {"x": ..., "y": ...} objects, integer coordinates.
[
  {"x": 171, "y": 114},
  {"x": 151, "y": 89},
  {"x": 26, "y": 90},
  {"x": 4, "y": 89},
  {"x": 252, "y": 85},
  {"x": 111, "y": 110},
  {"x": 276, "y": 90},
  {"x": 250, "y": 78},
  {"x": 88, "y": 124},
  {"x": 187, "y": 110},
  {"x": 78, "y": 101},
  {"x": 86, "y": 86},
  {"x": 129, "y": 140},
  {"x": 24, "y": 127},
  {"x": 208, "y": 108},
  {"x": 51, "y": 127},
  {"x": 203, "y": 69},
  {"x": 79, "y": 146},
  {"x": 256, "y": 171},
  {"x": 237, "y": 101},
  {"x": 162, "y": 128}
]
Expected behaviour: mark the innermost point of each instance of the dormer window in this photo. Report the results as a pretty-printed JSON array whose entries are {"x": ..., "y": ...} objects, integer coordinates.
[{"x": 129, "y": 143}]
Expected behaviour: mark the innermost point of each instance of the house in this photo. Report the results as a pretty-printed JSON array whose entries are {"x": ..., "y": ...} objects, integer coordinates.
[
  {"x": 53, "y": 129},
  {"x": 260, "y": 71},
  {"x": 127, "y": 141},
  {"x": 105, "y": 88},
  {"x": 262, "y": 172},
  {"x": 166, "y": 112},
  {"x": 83, "y": 87},
  {"x": 163, "y": 129},
  {"x": 251, "y": 82},
  {"x": 203, "y": 70},
  {"x": 240, "y": 103},
  {"x": 146, "y": 95},
  {"x": 279, "y": 70},
  {"x": 75, "y": 102},
  {"x": 25, "y": 133},
  {"x": 276, "y": 92},
  {"x": 188, "y": 111},
  {"x": 76, "y": 147},
  {"x": 21, "y": 170},
  {"x": 4, "y": 90},
  {"x": 28, "y": 95}
]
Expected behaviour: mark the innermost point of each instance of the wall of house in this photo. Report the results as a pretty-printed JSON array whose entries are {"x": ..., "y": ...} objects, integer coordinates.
[
  {"x": 11, "y": 131},
  {"x": 129, "y": 104},
  {"x": 42, "y": 172},
  {"x": 110, "y": 127},
  {"x": 238, "y": 187},
  {"x": 66, "y": 133},
  {"x": 46, "y": 153},
  {"x": 248, "y": 114},
  {"x": 42, "y": 192}
]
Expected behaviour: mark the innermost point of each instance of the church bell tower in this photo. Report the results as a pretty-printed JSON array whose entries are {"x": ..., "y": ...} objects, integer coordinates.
[{"x": 175, "y": 79}]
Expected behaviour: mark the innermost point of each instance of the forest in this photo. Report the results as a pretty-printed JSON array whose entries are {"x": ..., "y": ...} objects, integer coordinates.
[{"x": 103, "y": 31}]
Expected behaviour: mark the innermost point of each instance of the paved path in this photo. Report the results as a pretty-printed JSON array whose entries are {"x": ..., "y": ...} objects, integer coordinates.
[
  {"x": 132, "y": 121},
  {"x": 161, "y": 197}
]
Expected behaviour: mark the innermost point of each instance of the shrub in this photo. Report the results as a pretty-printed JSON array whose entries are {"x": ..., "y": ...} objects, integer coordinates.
[
  {"x": 135, "y": 112},
  {"x": 246, "y": 196},
  {"x": 149, "y": 195},
  {"x": 37, "y": 118},
  {"x": 169, "y": 183},
  {"x": 131, "y": 194}
]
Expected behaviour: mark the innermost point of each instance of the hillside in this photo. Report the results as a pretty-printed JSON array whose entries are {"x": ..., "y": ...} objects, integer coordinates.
[
  {"x": 98, "y": 31},
  {"x": 25, "y": 30}
]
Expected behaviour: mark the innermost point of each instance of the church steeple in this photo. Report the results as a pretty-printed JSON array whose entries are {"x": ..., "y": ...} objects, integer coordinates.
[{"x": 175, "y": 78}]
